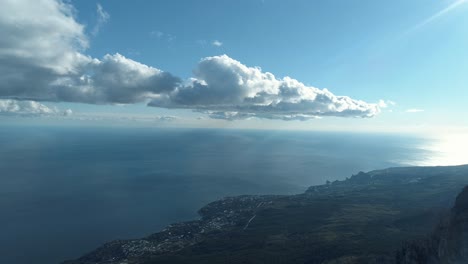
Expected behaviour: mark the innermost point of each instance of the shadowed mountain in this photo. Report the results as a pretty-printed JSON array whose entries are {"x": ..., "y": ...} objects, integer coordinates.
[
  {"x": 363, "y": 219},
  {"x": 449, "y": 242}
]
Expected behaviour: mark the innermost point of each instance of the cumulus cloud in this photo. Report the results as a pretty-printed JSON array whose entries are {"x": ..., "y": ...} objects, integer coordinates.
[
  {"x": 35, "y": 54},
  {"x": 102, "y": 18},
  {"x": 114, "y": 79},
  {"x": 46, "y": 61},
  {"x": 225, "y": 88}
]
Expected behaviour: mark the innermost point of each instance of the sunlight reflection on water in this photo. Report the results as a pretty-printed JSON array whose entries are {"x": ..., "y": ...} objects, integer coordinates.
[{"x": 446, "y": 150}]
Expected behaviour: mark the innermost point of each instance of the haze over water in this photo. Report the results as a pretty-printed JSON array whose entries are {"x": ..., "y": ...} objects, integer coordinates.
[{"x": 65, "y": 191}]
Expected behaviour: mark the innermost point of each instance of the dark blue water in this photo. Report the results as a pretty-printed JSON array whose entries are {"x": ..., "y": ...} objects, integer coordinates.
[{"x": 64, "y": 191}]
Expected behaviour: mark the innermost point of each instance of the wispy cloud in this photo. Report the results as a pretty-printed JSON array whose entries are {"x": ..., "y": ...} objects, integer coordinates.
[
  {"x": 102, "y": 18},
  {"x": 217, "y": 43},
  {"x": 156, "y": 33},
  {"x": 201, "y": 42},
  {"x": 414, "y": 110},
  {"x": 437, "y": 15},
  {"x": 124, "y": 117},
  {"x": 162, "y": 36},
  {"x": 385, "y": 104}
]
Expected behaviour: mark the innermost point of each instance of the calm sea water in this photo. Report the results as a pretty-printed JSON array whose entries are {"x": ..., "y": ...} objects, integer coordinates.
[{"x": 65, "y": 191}]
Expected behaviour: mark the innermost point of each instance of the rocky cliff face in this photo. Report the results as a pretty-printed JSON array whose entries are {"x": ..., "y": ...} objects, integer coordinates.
[{"x": 449, "y": 242}]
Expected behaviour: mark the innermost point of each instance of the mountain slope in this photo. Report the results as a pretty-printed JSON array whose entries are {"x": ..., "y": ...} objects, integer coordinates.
[
  {"x": 449, "y": 242},
  {"x": 363, "y": 219}
]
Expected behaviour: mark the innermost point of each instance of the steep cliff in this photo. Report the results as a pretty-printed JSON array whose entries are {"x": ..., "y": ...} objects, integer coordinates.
[{"x": 449, "y": 242}]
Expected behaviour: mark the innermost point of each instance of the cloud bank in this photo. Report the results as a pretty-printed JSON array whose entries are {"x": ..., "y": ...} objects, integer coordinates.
[
  {"x": 29, "y": 108},
  {"x": 42, "y": 58},
  {"x": 227, "y": 89}
]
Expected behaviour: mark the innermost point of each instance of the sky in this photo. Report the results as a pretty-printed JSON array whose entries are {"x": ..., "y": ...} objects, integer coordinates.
[{"x": 358, "y": 65}]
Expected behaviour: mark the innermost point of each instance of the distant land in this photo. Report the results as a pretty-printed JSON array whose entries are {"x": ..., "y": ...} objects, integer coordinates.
[{"x": 395, "y": 215}]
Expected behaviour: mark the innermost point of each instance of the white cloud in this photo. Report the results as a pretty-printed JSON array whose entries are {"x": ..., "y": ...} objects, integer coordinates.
[
  {"x": 46, "y": 61},
  {"x": 51, "y": 46},
  {"x": 33, "y": 55},
  {"x": 217, "y": 43},
  {"x": 385, "y": 104},
  {"x": 115, "y": 79},
  {"x": 102, "y": 18},
  {"x": 30, "y": 108},
  {"x": 382, "y": 104},
  {"x": 124, "y": 117},
  {"x": 414, "y": 110},
  {"x": 225, "y": 88},
  {"x": 231, "y": 116}
]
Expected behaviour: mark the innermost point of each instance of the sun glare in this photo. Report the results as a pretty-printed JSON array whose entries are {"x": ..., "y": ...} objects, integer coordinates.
[{"x": 449, "y": 149}]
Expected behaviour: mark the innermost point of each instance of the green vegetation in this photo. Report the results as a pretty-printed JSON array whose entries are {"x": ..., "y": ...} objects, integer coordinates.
[{"x": 364, "y": 219}]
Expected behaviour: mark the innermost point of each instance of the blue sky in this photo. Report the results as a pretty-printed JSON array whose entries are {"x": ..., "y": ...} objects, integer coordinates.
[{"x": 410, "y": 54}]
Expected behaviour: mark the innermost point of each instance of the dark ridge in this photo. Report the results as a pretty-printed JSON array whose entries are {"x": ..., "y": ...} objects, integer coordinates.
[{"x": 448, "y": 244}]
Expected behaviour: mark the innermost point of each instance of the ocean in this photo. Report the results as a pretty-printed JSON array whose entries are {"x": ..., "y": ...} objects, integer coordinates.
[{"x": 66, "y": 190}]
